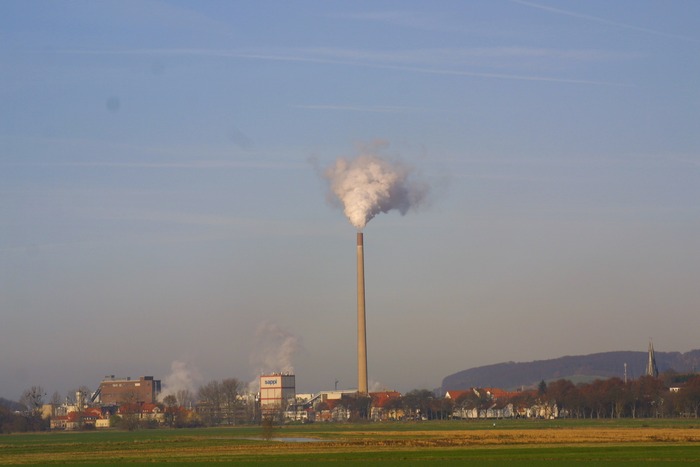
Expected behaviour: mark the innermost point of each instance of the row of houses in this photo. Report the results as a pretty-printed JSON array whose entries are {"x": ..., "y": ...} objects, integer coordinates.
[
  {"x": 326, "y": 406},
  {"x": 137, "y": 400},
  {"x": 341, "y": 406},
  {"x": 495, "y": 403},
  {"x": 100, "y": 417}
]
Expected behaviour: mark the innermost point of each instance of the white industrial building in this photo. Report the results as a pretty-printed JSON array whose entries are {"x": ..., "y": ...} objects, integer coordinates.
[{"x": 277, "y": 392}]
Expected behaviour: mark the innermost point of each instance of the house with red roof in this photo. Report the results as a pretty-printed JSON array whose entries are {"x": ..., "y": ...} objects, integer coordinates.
[
  {"x": 481, "y": 403},
  {"x": 90, "y": 417},
  {"x": 386, "y": 405},
  {"x": 455, "y": 394},
  {"x": 146, "y": 411}
]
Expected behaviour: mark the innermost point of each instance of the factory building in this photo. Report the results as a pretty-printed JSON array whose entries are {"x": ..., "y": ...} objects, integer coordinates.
[
  {"x": 115, "y": 391},
  {"x": 277, "y": 391}
]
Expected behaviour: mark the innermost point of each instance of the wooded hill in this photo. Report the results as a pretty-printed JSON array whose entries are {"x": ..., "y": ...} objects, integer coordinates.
[
  {"x": 579, "y": 368},
  {"x": 11, "y": 405}
]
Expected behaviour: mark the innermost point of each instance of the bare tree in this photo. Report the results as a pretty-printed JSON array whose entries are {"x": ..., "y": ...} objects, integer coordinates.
[
  {"x": 185, "y": 398},
  {"x": 358, "y": 406},
  {"x": 171, "y": 409},
  {"x": 230, "y": 391},
  {"x": 55, "y": 399},
  {"x": 690, "y": 396},
  {"x": 418, "y": 402},
  {"x": 268, "y": 427},
  {"x": 210, "y": 396},
  {"x": 130, "y": 410},
  {"x": 33, "y": 400}
]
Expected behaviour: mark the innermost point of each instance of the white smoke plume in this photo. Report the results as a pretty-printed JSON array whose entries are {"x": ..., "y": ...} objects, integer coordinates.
[
  {"x": 182, "y": 377},
  {"x": 369, "y": 184},
  {"x": 376, "y": 386},
  {"x": 273, "y": 350}
]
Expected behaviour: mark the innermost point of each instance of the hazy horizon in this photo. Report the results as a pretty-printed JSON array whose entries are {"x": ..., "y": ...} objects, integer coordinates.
[{"x": 163, "y": 211}]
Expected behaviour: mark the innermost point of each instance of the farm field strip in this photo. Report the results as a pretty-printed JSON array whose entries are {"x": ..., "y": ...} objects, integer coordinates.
[
  {"x": 543, "y": 436},
  {"x": 369, "y": 443}
]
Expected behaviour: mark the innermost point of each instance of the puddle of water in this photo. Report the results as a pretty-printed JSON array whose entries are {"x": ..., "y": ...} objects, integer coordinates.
[
  {"x": 294, "y": 440},
  {"x": 300, "y": 440}
]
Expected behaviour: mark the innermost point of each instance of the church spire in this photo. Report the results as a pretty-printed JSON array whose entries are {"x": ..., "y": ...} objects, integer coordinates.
[{"x": 652, "y": 370}]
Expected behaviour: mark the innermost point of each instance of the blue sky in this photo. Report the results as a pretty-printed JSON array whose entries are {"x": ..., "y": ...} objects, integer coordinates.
[{"x": 160, "y": 199}]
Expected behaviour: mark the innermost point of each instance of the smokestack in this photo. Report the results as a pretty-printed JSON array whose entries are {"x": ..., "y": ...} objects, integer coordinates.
[
  {"x": 361, "y": 326},
  {"x": 366, "y": 186}
]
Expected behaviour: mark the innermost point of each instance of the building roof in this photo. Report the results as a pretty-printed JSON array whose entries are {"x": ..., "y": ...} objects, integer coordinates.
[
  {"x": 90, "y": 413},
  {"x": 150, "y": 408},
  {"x": 382, "y": 398},
  {"x": 93, "y": 412},
  {"x": 455, "y": 394},
  {"x": 497, "y": 393}
]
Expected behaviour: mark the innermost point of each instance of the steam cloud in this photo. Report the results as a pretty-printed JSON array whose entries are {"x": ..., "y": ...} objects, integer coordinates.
[
  {"x": 182, "y": 377},
  {"x": 369, "y": 184},
  {"x": 274, "y": 349}
]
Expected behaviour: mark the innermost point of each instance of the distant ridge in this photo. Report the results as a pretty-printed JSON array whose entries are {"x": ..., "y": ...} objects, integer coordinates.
[
  {"x": 513, "y": 375},
  {"x": 11, "y": 405}
]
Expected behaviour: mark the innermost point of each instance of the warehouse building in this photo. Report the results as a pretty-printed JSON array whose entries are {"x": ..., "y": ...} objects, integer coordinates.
[{"x": 115, "y": 391}]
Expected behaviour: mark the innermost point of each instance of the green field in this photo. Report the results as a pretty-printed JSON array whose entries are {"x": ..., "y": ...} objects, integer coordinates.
[{"x": 517, "y": 442}]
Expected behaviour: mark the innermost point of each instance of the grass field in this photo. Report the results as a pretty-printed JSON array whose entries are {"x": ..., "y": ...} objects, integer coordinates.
[{"x": 517, "y": 442}]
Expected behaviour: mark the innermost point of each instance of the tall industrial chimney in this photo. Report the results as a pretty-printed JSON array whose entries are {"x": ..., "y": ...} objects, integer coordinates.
[{"x": 361, "y": 326}]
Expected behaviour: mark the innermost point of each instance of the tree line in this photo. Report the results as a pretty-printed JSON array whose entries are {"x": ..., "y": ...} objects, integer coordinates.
[
  {"x": 223, "y": 402},
  {"x": 670, "y": 395},
  {"x": 614, "y": 398},
  {"x": 25, "y": 415},
  {"x": 214, "y": 403}
]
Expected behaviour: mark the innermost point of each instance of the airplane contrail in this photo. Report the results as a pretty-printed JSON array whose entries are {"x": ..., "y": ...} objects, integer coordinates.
[
  {"x": 234, "y": 54},
  {"x": 598, "y": 19}
]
